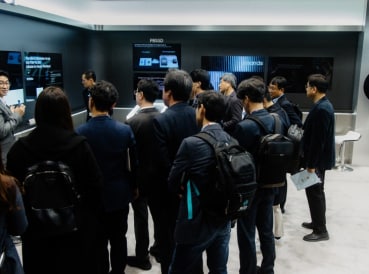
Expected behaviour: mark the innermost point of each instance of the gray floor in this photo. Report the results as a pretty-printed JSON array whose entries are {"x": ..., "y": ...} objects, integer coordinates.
[{"x": 346, "y": 252}]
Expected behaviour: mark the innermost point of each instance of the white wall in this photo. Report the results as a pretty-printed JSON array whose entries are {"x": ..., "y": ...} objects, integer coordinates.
[{"x": 361, "y": 148}]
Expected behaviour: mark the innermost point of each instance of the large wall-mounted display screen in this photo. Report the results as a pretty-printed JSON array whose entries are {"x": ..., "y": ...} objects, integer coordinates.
[
  {"x": 41, "y": 70},
  {"x": 242, "y": 67},
  {"x": 11, "y": 62},
  {"x": 297, "y": 69},
  {"x": 156, "y": 57}
]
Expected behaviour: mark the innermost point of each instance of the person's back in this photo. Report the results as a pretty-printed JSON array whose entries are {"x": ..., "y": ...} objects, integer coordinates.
[
  {"x": 142, "y": 125},
  {"x": 113, "y": 145},
  {"x": 170, "y": 128},
  {"x": 196, "y": 233},
  {"x": 54, "y": 139},
  {"x": 260, "y": 215}
]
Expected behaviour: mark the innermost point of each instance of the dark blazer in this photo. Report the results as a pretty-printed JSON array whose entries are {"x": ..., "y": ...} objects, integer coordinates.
[
  {"x": 170, "y": 128},
  {"x": 276, "y": 108},
  {"x": 110, "y": 141},
  {"x": 318, "y": 138},
  {"x": 248, "y": 132},
  {"x": 143, "y": 130},
  {"x": 287, "y": 106},
  {"x": 194, "y": 157},
  {"x": 233, "y": 112}
]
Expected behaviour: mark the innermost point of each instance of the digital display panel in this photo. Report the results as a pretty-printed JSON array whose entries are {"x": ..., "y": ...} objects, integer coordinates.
[
  {"x": 297, "y": 69},
  {"x": 243, "y": 67},
  {"x": 42, "y": 70},
  {"x": 11, "y": 62},
  {"x": 156, "y": 57}
]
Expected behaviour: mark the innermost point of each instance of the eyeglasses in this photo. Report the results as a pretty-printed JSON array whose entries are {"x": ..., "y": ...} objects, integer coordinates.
[
  {"x": 272, "y": 88},
  {"x": 307, "y": 86},
  {"x": 7, "y": 83}
]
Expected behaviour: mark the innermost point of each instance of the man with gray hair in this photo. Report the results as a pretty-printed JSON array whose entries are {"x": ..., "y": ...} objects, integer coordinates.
[{"x": 233, "y": 112}]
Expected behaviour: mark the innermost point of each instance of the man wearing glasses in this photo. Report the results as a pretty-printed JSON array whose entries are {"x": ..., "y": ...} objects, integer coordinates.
[{"x": 10, "y": 117}]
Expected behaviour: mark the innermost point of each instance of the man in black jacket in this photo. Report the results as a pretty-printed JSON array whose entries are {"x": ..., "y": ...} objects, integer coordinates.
[
  {"x": 319, "y": 153},
  {"x": 170, "y": 128}
]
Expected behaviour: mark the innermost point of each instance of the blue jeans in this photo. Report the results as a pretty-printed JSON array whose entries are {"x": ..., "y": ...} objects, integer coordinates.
[
  {"x": 216, "y": 245},
  {"x": 260, "y": 216}
]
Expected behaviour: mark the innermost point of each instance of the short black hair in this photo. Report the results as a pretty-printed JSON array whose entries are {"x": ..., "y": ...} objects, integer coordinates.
[
  {"x": 150, "y": 89},
  {"x": 90, "y": 74},
  {"x": 201, "y": 75},
  {"x": 253, "y": 88},
  {"x": 214, "y": 104},
  {"x": 319, "y": 81},
  {"x": 4, "y": 73},
  {"x": 104, "y": 95},
  {"x": 279, "y": 81},
  {"x": 180, "y": 83}
]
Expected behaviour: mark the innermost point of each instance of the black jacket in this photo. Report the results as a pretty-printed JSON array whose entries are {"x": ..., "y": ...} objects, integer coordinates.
[{"x": 318, "y": 139}]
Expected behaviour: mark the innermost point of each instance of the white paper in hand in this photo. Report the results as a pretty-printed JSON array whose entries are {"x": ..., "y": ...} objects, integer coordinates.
[{"x": 304, "y": 179}]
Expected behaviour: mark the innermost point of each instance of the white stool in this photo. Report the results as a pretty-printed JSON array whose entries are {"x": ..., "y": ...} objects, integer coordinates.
[{"x": 341, "y": 140}]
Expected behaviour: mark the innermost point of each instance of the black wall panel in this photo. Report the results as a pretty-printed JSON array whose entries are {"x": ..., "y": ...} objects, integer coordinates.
[{"x": 109, "y": 53}]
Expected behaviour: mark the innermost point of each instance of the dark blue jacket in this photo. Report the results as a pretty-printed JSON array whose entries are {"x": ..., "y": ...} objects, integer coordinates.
[
  {"x": 170, "y": 128},
  {"x": 110, "y": 141},
  {"x": 194, "y": 158},
  {"x": 248, "y": 132},
  {"x": 276, "y": 108},
  {"x": 287, "y": 106},
  {"x": 318, "y": 139}
]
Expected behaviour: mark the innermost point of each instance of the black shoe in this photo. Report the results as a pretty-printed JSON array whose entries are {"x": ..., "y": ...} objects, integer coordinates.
[
  {"x": 155, "y": 252},
  {"x": 316, "y": 237},
  {"x": 144, "y": 264},
  {"x": 307, "y": 225}
]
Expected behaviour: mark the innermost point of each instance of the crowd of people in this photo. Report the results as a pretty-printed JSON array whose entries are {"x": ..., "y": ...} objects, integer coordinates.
[{"x": 143, "y": 161}]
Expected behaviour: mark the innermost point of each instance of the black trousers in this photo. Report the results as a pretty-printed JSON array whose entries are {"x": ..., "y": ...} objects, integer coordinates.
[
  {"x": 114, "y": 229},
  {"x": 316, "y": 200},
  {"x": 141, "y": 226}
]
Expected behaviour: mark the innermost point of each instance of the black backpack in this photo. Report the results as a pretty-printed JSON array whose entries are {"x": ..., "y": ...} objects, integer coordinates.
[
  {"x": 51, "y": 198},
  {"x": 273, "y": 155},
  {"x": 233, "y": 182}
]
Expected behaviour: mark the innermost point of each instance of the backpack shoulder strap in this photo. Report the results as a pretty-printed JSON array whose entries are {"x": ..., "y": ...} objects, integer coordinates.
[
  {"x": 207, "y": 138},
  {"x": 277, "y": 123},
  {"x": 258, "y": 121}
]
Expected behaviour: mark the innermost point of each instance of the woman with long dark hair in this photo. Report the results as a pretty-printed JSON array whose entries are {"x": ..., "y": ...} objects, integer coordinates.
[{"x": 54, "y": 139}]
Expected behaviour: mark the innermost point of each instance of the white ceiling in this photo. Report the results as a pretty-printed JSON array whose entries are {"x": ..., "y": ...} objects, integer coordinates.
[{"x": 200, "y": 14}]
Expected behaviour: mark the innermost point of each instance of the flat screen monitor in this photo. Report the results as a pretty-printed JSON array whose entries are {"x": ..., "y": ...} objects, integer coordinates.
[
  {"x": 297, "y": 69},
  {"x": 42, "y": 70},
  {"x": 156, "y": 57},
  {"x": 243, "y": 67}
]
